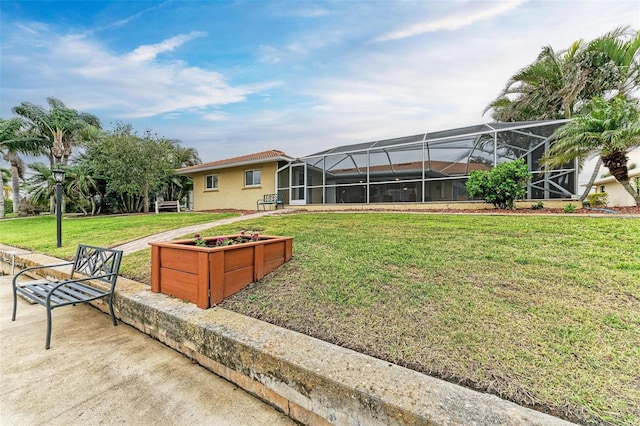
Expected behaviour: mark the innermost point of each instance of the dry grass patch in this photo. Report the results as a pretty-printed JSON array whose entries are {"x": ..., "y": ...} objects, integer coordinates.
[{"x": 544, "y": 311}]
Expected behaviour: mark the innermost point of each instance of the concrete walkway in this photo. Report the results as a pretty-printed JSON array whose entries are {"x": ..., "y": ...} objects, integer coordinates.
[
  {"x": 143, "y": 243},
  {"x": 95, "y": 373}
]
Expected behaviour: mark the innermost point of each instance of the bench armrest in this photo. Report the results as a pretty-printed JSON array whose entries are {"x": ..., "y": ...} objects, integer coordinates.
[{"x": 39, "y": 267}]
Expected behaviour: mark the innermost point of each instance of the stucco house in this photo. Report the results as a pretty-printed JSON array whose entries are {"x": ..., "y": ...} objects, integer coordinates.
[
  {"x": 430, "y": 167},
  {"x": 617, "y": 195},
  {"x": 235, "y": 183}
]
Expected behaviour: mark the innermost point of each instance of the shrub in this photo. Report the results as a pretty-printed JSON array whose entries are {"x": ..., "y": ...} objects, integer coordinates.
[
  {"x": 601, "y": 199},
  {"x": 500, "y": 186},
  {"x": 28, "y": 208},
  {"x": 570, "y": 208},
  {"x": 8, "y": 206},
  {"x": 538, "y": 206}
]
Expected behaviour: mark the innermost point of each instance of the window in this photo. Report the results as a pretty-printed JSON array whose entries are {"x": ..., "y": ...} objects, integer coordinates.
[
  {"x": 252, "y": 178},
  {"x": 602, "y": 189},
  {"x": 211, "y": 182}
]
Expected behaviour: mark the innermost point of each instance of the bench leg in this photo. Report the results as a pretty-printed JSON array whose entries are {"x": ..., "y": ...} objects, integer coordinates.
[
  {"x": 48, "y": 339},
  {"x": 113, "y": 316},
  {"x": 15, "y": 303}
]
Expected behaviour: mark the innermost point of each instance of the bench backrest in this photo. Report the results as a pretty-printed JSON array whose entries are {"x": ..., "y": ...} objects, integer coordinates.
[
  {"x": 272, "y": 198},
  {"x": 97, "y": 262}
]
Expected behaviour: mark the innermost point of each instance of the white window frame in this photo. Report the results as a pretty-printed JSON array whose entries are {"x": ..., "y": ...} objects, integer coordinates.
[
  {"x": 206, "y": 182},
  {"x": 253, "y": 184}
]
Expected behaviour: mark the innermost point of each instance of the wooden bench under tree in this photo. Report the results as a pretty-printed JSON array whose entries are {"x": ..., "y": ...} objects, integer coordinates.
[
  {"x": 172, "y": 205},
  {"x": 89, "y": 266},
  {"x": 269, "y": 199}
]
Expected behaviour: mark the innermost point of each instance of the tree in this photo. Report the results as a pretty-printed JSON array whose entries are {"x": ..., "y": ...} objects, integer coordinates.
[
  {"x": 14, "y": 142},
  {"x": 614, "y": 60},
  {"x": 558, "y": 84},
  {"x": 547, "y": 89},
  {"x": 502, "y": 185},
  {"x": 133, "y": 167},
  {"x": 83, "y": 188},
  {"x": 40, "y": 185},
  {"x": 59, "y": 127},
  {"x": 609, "y": 129},
  {"x": 175, "y": 187}
]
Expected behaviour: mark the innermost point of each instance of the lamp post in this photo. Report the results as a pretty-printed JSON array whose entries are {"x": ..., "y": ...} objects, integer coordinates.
[{"x": 58, "y": 176}]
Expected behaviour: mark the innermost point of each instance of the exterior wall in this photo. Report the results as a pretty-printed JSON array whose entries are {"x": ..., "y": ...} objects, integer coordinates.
[
  {"x": 618, "y": 196},
  {"x": 231, "y": 192}
]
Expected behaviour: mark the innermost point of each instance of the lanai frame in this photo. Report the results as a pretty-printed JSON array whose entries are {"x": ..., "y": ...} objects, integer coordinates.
[{"x": 426, "y": 167}]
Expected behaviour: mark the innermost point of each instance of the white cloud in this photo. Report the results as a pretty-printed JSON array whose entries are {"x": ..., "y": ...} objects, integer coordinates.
[
  {"x": 150, "y": 52},
  {"x": 454, "y": 21},
  {"x": 216, "y": 116},
  {"x": 133, "y": 84}
]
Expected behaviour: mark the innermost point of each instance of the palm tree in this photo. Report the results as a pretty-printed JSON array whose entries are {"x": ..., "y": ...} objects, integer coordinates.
[
  {"x": 14, "y": 142},
  {"x": 612, "y": 63},
  {"x": 177, "y": 186},
  {"x": 609, "y": 129},
  {"x": 40, "y": 184},
  {"x": 83, "y": 187},
  {"x": 547, "y": 89},
  {"x": 556, "y": 85},
  {"x": 59, "y": 126},
  {"x": 614, "y": 60}
]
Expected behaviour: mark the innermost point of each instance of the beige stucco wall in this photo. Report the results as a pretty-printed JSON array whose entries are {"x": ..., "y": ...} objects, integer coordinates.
[
  {"x": 617, "y": 195},
  {"x": 231, "y": 192}
]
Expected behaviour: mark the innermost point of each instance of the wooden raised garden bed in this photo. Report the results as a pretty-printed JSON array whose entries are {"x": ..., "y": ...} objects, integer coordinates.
[{"x": 207, "y": 275}]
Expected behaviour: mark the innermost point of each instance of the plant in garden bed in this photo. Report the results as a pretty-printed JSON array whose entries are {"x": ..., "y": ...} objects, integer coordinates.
[{"x": 243, "y": 238}]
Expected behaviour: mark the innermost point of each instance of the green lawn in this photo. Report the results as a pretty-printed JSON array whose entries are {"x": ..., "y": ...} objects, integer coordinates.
[
  {"x": 541, "y": 310},
  {"x": 39, "y": 233}
]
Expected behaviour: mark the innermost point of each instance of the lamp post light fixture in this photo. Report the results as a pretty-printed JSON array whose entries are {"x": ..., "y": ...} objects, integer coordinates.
[{"x": 58, "y": 176}]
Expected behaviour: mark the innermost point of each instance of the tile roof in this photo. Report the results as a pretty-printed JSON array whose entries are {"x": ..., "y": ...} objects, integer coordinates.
[
  {"x": 258, "y": 157},
  {"x": 448, "y": 167}
]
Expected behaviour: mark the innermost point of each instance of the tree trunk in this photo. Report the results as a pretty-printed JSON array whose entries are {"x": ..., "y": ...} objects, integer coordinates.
[
  {"x": 632, "y": 191},
  {"x": 616, "y": 162},
  {"x": 594, "y": 175},
  {"x": 15, "y": 186},
  {"x": 145, "y": 198},
  {"x": 2, "y": 212}
]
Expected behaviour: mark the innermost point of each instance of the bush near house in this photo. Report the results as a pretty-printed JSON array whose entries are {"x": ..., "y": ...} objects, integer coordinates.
[
  {"x": 502, "y": 185},
  {"x": 601, "y": 199}
]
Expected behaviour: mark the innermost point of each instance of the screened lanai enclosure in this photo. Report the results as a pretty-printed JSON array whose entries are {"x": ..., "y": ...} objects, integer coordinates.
[{"x": 429, "y": 167}]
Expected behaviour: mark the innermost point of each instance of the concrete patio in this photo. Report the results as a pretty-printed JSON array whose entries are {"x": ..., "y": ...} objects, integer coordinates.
[{"x": 95, "y": 373}]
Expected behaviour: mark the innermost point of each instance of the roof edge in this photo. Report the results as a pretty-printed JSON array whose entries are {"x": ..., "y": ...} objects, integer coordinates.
[{"x": 195, "y": 169}]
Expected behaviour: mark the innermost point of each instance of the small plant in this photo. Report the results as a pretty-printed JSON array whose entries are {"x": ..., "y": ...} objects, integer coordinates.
[
  {"x": 600, "y": 199},
  {"x": 224, "y": 241},
  {"x": 538, "y": 206},
  {"x": 197, "y": 238},
  {"x": 570, "y": 208}
]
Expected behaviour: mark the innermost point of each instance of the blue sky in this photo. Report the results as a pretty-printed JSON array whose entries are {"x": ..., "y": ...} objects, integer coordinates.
[{"x": 236, "y": 77}]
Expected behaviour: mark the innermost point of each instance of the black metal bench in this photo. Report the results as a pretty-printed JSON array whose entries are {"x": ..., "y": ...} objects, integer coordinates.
[
  {"x": 90, "y": 263},
  {"x": 269, "y": 199}
]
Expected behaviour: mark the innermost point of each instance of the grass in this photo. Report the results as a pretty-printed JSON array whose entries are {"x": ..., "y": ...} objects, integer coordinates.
[
  {"x": 544, "y": 311},
  {"x": 39, "y": 233}
]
